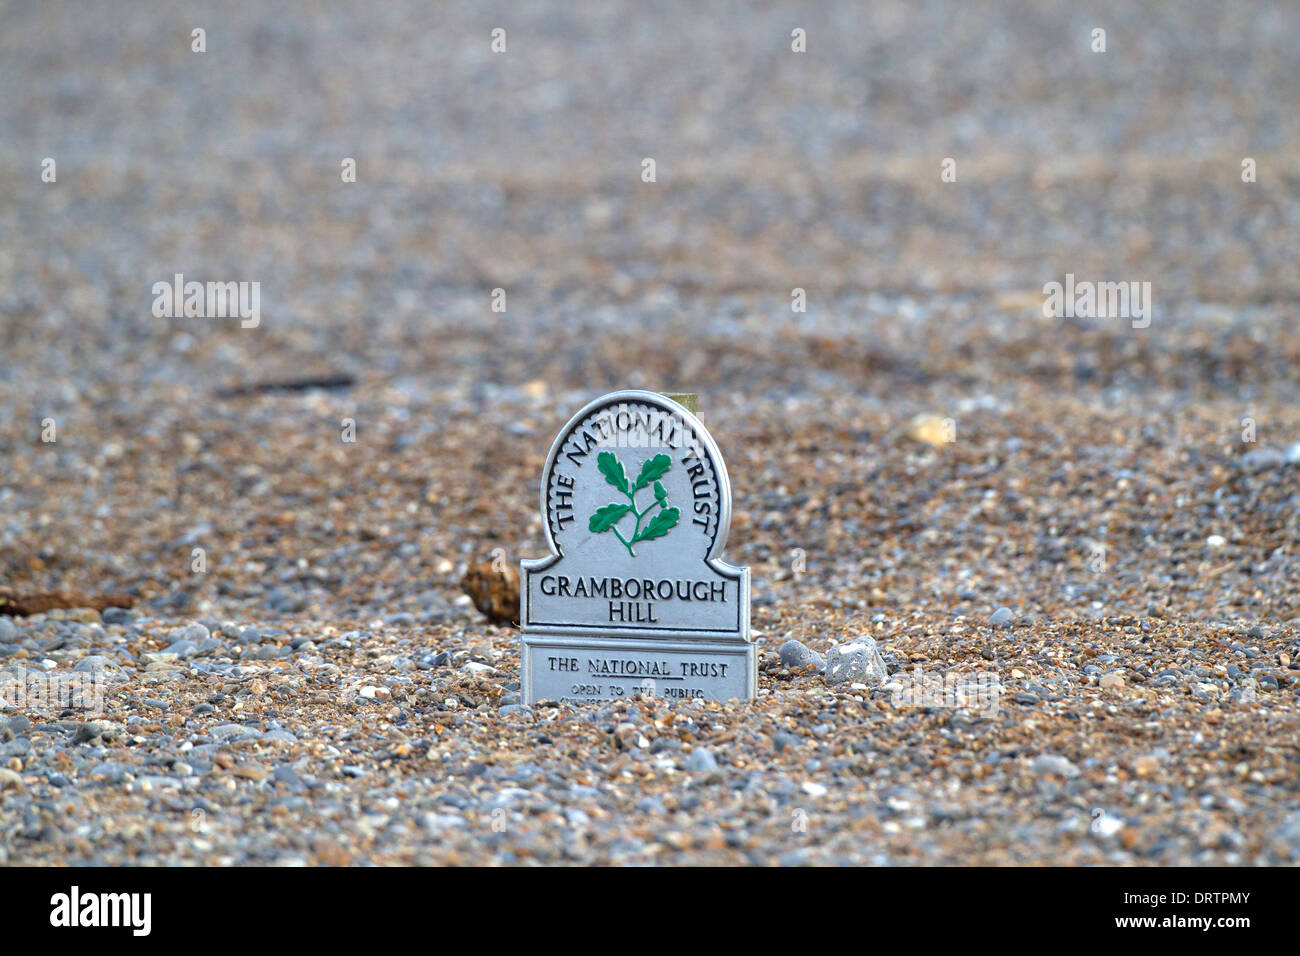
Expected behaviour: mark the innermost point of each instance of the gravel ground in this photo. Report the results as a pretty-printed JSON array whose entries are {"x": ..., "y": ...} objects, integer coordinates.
[{"x": 323, "y": 693}]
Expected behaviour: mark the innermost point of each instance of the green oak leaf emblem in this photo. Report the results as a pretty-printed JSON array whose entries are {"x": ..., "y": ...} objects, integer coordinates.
[{"x": 607, "y": 517}]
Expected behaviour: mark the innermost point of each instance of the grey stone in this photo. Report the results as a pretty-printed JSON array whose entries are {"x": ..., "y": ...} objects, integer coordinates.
[
  {"x": 19, "y": 723},
  {"x": 95, "y": 663},
  {"x": 156, "y": 782},
  {"x": 1053, "y": 765},
  {"x": 783, "y": 738},
  {"x": 1288, "y": 835},
  {"x": 286, "y": 602},
  {"x": 9, "y": 634},
  {"x": 116, "y": 615},
  {"x": 796, "y": 654},
  {"x": 233, "y": 732},
  {"x": 112, "y": 771},
  {"x": 701, "y": 760},
  {"x": 286, "y": 775},
  {"x": 93, "y": 730},
  {"x": 858, "y": 662},
  {"x": 437, "y": 822},
  {"x": 1261, "y": 459},
  {"x": 1002, "y": 617},
  {"x": 191, "y": 632}
]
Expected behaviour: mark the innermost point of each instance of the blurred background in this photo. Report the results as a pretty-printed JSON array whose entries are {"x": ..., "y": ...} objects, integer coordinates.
[{"x": 775, "y": 170}]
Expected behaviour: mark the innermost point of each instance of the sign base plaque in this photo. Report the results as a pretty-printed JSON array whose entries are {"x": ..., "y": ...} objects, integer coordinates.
[{"x": 585, "y": 668}]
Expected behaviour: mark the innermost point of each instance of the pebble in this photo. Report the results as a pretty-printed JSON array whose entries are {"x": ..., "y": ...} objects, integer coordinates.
[
  {"x": 1054, "y": 765},
  {"x": 858, "y": 662},
  {"x": 96, "y": 730},
  {"x": 95, "y": 663},
  {"x": 629, "y": 735},
  {"x": 701, "y": 760},
  {"x": 111, "y": 771},
  {"x": 1147, "y": 765},
  {"x": 288, "y": 776},
  {"x": 195, "y": 633},
  {"x": 795, "y": 654},
  {"x": 783, "y": 739},
  {"x": 1002, "y": 617}
]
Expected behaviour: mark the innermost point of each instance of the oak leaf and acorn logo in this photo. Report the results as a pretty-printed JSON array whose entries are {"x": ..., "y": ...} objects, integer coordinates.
[{"x": 662, "y": 517}]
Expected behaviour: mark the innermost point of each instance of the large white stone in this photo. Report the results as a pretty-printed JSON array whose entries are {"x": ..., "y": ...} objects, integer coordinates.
[{"x": 858, "y": 662}]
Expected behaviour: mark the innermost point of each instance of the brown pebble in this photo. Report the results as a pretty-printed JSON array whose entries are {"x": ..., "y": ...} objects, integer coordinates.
[
  {"x": 38, "y": 602},
  {"x": 494, "y": 587},
  {"x": 1146, "y": 766}
]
